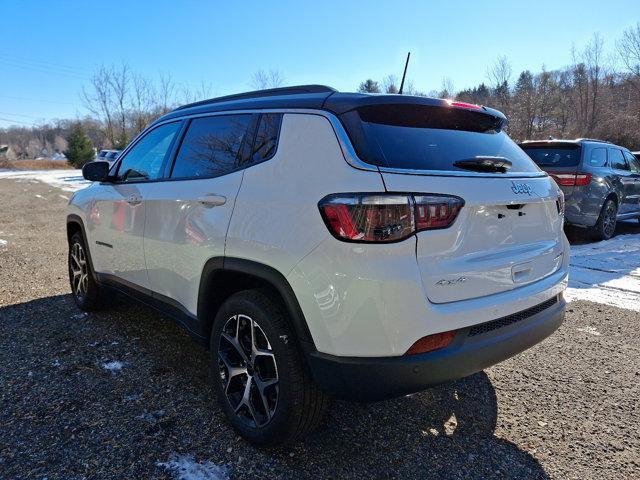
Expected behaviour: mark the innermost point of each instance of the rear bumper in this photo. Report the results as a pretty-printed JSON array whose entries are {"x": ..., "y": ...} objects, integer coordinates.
[{"x": 472, "y": 350}]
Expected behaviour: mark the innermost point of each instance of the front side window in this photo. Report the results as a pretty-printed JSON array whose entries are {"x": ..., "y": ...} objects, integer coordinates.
[
  {"x": 212, "y": 146},
  {"x": 598, "y": 157},
  {"x": 617, "y": 159},
  {"x": 145, "y": 159}
]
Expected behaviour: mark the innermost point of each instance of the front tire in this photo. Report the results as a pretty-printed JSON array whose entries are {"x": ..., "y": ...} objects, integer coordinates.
[
  {"x": 261, "y": 381},
  {"x": 605, "y": 227},
  {"x": 87, "y": 293}
]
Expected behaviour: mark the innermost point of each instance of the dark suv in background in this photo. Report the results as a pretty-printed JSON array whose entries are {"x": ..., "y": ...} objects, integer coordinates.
[{"x": 600, "y": 181}]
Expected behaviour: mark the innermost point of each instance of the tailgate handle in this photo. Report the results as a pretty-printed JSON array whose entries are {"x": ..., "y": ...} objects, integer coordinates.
[{"x": 521, "y": 272}]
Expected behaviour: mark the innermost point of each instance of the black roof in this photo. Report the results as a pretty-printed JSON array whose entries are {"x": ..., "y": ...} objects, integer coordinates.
[{"x": 316, "y": 97}]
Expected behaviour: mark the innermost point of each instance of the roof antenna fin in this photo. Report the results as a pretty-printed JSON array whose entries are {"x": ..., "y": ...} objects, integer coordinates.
[{"x": 404, "y": 74}]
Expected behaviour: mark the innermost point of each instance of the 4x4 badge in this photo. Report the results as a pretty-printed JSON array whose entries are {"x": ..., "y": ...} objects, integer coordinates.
[{"x": 521, "y": 188}]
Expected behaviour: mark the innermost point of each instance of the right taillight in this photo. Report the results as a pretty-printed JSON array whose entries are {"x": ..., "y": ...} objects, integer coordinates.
[
  {"x": 386, "y": 217},
  {"x": 570, "y": 179}
]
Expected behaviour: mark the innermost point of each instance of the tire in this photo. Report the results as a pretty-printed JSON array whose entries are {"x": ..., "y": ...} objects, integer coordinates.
[
  {"x": 605, "y": 227},
  {"x": 86, "y": 292},
  {"x": 281, "y": 404}
]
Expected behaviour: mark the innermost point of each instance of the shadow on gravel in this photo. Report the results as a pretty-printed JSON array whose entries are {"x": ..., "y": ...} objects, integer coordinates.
[{"x": 161, "y": 402}]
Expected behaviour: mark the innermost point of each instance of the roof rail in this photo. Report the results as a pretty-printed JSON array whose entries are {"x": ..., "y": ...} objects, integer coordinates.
[
  {"x": 271, "y": 92},
  {"x": 591, "y": 140}
]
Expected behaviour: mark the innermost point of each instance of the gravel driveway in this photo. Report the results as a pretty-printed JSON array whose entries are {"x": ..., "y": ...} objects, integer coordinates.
[{"x": 124, "y": 393}]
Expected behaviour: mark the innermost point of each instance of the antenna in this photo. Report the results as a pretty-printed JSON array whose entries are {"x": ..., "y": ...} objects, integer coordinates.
[{"x": 404, "y": 74}]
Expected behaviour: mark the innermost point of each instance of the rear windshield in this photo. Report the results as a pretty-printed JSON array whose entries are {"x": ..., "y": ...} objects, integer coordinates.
[
  {"x": 555, "y": 156},
  {"x": 422, "y": 137}
]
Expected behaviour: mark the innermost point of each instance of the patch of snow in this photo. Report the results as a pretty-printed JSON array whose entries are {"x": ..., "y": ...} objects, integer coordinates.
[
  {"x": 79, "y": 316},
  {"x": 590, "y": 330},
  {"x": 113, "y": 366},
  {"x": 67, "y": 180},
  {"x": 39, "y": 196},
  {"x": 64, "y": 197},
  {"x": 3, "y": 242},
  {"x": 56, "y": 363},
  {"x": 184, "y": 467},
  {"x": 607, "y": 272}
]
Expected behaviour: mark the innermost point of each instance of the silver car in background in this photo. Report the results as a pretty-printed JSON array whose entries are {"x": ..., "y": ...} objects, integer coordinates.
[{"x": 600, "y": 181}]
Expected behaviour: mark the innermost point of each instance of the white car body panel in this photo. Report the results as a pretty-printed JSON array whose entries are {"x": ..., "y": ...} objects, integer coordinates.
[
  {"x": 185, "y": 226},
  {"x": 307, "y": 166}
]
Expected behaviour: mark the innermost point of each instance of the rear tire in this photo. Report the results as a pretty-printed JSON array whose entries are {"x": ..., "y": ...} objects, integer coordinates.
[
  {"x": 87, "y": 293},
  {"x": 605, "y": 227},
  {"x": 252, "y": 343}
]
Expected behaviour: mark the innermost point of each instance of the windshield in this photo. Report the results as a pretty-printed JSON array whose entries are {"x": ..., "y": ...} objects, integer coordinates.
[
  {"x": 420, "y": 137},
  {"x": 555, "y": 156}
]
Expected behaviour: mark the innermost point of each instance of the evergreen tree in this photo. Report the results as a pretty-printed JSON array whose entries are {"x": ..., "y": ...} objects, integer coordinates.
[
  {"x": 80, "y": 150},
  {"x": 369, "y": 86}
]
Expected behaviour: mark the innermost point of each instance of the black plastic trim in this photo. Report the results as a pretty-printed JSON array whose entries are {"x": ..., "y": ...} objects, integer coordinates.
[
  {"x": 371, "y": 379},
  {"x": 76, "y": 220}
]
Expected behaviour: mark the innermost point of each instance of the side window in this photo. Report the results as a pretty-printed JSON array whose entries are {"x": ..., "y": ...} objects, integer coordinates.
[
  {"x": 212, "y": 146},
  {"x": 144, "y": 160},
  {"x": 598, "y": 157},
  {"x": 633, "y": 162},
  {"x": 266, "y": 141},
  {"x": 617, "y": 160}
]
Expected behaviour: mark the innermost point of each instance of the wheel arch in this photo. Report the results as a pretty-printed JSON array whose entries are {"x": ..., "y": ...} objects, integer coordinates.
[
  {"x": 224, "y": 276},
  {"x": 75, "y": 225}
]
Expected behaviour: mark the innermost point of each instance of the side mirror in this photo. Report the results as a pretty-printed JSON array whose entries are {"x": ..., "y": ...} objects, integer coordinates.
[{"x": 96, "y": 171}]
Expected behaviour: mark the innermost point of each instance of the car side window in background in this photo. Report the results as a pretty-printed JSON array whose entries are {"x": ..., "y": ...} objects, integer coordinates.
[
  {"x": 617, "y": 159},
  {"x": 633, "y": 162},
  {"x": 266, "y": 141},
  {"x": 144, "y": 160},
  {"x": 212, "y": 146},
  {"x": 598, "y": 157}
]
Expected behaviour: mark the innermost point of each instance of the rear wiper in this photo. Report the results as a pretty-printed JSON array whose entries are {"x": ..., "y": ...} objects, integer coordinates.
[{"x": 485, "y": 164}]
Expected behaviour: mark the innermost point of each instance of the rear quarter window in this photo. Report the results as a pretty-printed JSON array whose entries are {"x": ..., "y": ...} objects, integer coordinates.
[{"x": 598, "y": 157}]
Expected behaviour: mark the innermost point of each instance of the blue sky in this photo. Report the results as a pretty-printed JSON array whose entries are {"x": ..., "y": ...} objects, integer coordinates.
[{"x": 49, "y": 49}]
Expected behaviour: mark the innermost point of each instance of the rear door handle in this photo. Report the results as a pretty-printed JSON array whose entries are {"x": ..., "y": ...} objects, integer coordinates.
[
  {"x": 212, "y": 200},
  {"x": 134, "y": 200}
]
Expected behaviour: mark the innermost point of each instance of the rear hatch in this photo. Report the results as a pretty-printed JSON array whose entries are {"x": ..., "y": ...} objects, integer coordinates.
[
  {"x": 509, "y": 231},
  {"x": 560, "y": 160}
]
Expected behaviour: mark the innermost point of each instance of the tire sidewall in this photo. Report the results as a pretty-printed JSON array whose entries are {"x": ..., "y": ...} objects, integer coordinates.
[
  {"x": 259, "y": 308},
  {"x": 601, "y": 230},
  {"x": 89, "y": 301}
]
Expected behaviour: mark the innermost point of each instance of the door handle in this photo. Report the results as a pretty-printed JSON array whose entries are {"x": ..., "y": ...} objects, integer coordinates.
[
  {"x": 134, "y": 200},
  {"x": 212, "y": 200}
]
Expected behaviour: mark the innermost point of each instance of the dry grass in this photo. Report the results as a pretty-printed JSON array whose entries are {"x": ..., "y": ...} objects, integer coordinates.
[{"x": 39, "y": 165}]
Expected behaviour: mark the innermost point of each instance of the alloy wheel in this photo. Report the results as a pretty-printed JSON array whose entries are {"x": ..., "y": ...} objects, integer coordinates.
[
  {"x": 609, "y": 220},
  {"x": 248, "y": 371},
  {"x": 79, "y": 271}
]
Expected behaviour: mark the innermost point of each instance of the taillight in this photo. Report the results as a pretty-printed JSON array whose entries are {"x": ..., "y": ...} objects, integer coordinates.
[
  {"x": 386, "y": 217},
  {"x": 571, "y": 179}
]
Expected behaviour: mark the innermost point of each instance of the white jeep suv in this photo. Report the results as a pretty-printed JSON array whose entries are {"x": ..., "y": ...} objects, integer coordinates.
[{"x": 327, "y": 244}]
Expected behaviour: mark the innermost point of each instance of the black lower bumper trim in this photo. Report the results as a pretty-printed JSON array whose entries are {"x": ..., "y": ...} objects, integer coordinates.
[{"x": 380, "y": 378}]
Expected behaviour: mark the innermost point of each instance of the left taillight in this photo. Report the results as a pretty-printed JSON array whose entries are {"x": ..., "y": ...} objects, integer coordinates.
[{"x": 386, "y": 217}]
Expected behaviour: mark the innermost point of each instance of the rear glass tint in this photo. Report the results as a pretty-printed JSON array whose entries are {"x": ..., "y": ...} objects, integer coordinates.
[
  {"x": 554, "y": 156},
  {"x": 421, "y": 137}
]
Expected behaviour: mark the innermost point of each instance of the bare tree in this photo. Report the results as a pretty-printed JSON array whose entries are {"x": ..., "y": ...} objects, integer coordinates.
[
  {"x": 119, "y": 82},
  {"x": 262, "y": 80},
  {"x": 499, "y": 76},
  {"x": 390, "y": 84},
  {"x": 99, "y": 101},
  {"x": 166, "y": 92},
  {"x": 629, "y": 51},
  {"x": 448, "y": 90}
]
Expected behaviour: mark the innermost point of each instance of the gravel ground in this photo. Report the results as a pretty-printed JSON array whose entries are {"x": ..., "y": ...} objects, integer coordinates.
[{"x": 115, "y": 394}]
